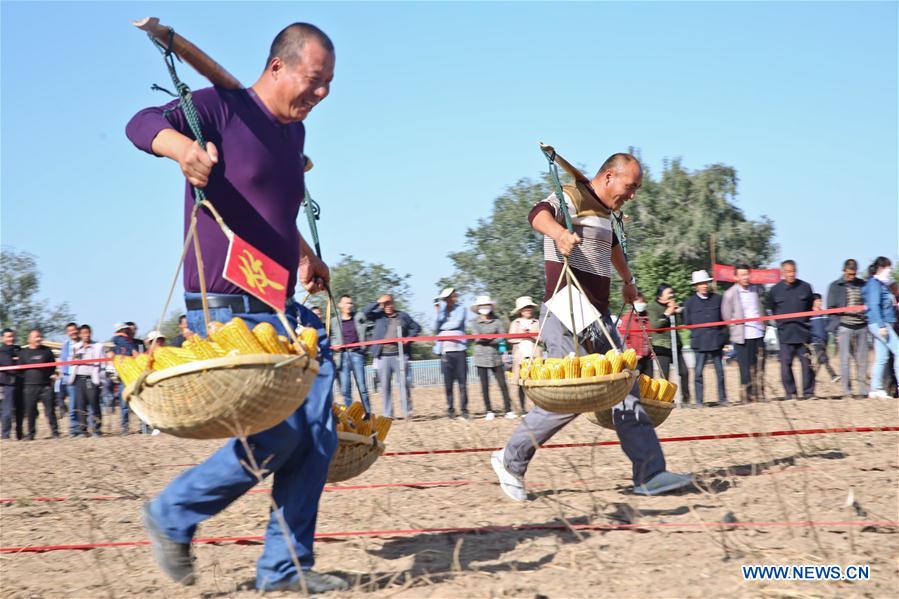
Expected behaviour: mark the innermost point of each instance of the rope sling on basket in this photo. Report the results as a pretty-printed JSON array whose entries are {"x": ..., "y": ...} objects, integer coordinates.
[{"x": 197, "y": 392}]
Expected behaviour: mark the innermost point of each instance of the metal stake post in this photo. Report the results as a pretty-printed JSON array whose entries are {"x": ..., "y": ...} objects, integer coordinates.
[{"x": 675, "y": 363}]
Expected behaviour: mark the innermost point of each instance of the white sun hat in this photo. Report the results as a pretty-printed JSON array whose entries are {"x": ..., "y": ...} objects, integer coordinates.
[
  {"x": 700, "y": 276},
  {"x": 523, "y": 302},
  {"x": 482, "y": 300}
]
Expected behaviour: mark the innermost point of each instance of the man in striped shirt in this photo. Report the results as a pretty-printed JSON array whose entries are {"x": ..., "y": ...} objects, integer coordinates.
[{"x": 592, "y": 249}]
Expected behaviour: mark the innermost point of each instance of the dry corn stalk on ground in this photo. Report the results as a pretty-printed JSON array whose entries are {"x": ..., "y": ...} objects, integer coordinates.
[
  {"x": 351, "y": 419},
  {"x": 233, "y": 338}
]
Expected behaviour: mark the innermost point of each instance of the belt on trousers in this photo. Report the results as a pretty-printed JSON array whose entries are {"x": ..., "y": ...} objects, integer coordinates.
[{"x": 234, "y": 302}]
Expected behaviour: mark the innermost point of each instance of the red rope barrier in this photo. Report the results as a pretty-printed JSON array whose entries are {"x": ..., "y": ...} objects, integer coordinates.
[
  {"x": 247, "y": 540},
  {"x": 491, "y": 336}
]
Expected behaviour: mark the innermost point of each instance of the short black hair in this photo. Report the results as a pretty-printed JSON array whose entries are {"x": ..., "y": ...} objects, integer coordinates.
[
  {"x": 662, "y": 289},
  {"x": 288, "y": 44},
  {"x": 85, "y": 326},
  {"x": 850, "y": 264},
  {"x": 347, "y": 295},
  {"x": 8, "y": 330},
  {"x": 741, "y": 266},
  {"x": 617, "y": 161},
  {"x": 816, "y": 296},
  {"x": 879, "y": 262},
  {"x": 38, "y": 329},
  {"x": 788, "y": 263},
  {"x": 70, "y": 324},
  {"x": 130, "y": 324}
]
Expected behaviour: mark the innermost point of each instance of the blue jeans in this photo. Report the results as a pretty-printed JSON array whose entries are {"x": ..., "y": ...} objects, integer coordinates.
[
  {"x": 702, "y": 357},
  {"x": 297, "y": 451},
  {"x": 882, "y": 350},
  {"x": 352, "y": 365}
]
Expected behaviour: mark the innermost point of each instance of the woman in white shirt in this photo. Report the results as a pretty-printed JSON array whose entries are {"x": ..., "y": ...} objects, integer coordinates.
[{"x": 523, "y": 348}]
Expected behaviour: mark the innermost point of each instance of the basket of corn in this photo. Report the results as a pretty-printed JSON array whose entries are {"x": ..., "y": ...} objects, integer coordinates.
[
  {"x": 656, "y": 397},
  {"x": 579, "y": 384},
  {"x": 360, "y": 441},
  {"x": 236, "y": 382}
]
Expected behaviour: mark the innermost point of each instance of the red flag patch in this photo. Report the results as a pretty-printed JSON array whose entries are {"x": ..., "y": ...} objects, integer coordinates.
[{"x": 256, "y": 273}]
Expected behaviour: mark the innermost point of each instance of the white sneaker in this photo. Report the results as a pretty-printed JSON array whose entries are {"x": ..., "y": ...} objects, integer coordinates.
[
  {"x": 155, "y": 432},
  {"x": 489, "y": 416},
  {"x": 512, "y": 485},
  {"x": 511, "y": 416},
  {"x": 879, "y": 394}
]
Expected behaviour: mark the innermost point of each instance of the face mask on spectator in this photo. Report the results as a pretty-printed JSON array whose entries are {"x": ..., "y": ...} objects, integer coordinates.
[
  {"x": 484, "y": 311},
  {"x": 640, "y": 306},
  {"x": 885, "y": 274}
]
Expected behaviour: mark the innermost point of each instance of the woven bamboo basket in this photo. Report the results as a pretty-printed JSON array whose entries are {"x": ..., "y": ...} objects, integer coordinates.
[
  {"x": 658, "y": 412},
  {"x": 354, "y": 455},
  {"x": 223, "y": 397},
  {"x": 577, "y": 396}
]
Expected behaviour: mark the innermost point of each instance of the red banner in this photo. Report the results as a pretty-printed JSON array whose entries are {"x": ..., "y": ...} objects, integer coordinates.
[
  {"x": 757, "y": 276},
  {"x": 256, "y": 273}
]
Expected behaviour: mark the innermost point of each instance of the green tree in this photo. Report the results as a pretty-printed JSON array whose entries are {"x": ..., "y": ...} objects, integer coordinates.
[
  {"x": 367, "y": 281},
  {"x": 20, "y": 308},
  {"x": 169, "y": 326}
]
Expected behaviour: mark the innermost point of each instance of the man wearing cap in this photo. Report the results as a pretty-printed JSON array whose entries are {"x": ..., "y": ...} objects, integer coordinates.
[
  {"x": 707, "y": 342},
  {"x": 450, "y": 320},
  {"x": 487, "y": 357},
  {"x": 788, "y": 296},
  {"x": 523, "y": 348},
  {"x": 390, "y": 323},
  {"x": 252, "y": 170},
  {"x": 592, "y": 249}
]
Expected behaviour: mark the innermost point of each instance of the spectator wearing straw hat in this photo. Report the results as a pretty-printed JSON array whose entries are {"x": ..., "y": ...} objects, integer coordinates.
[
  {"x": 850, "y": 328},
  {"x": 793, "y": 334},
  {"x": 38, "y": 383},
  {"x": 590, "y": 251},
  {"x": 450, "y": 320},
  {"x": 702, "y": 307},
  {"x": 523, "y": 348},
  {"x": 487, "y": 357},
  {"x": 391, "y": 323},
  {"x": 743, "y": 300}
]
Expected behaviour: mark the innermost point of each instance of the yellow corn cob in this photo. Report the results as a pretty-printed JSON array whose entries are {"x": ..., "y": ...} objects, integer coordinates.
[
  {"x": 630, "y": 358},
  {"x": 551, "y": 361},
  {"x": 571, "y": 367},
  {"x": 603, "y": 366},
  {"x": 267, "y": 337},
  {"x": 308, "y": 337},
  {"x": 237, "y": 336},
  {"x": 166, "y": 357},
  {"x": 364, "y": 427},
  {"x": 664, "y": 385},
  {"x": 523, "y": 373},
  {"x": 545, "y": 372},
  {"x": 126, "y": 368},
  {"x": 201, "y": 348},
  {"x": 382, "y": 426},
  {"x": 669, "y": 393},
  {"x": 287, "y": 344},
  {"x": 588, "y": 369},
  {"x": 355, "y": 413},
  {"x": 526, "y": 363},
  {"x": 337, "y": 409},
  {"x": 654, "y": 389},
  {"x": 142, "y": 362},
  {"x": 557, "y": 371},
  {"x": 617, "y": 364},
  {"x": 536, "y": 363},
  {"x": 213, "y": 327},
  {"x": 611, "y": 354},
  {"x": 346, "y": 423}
]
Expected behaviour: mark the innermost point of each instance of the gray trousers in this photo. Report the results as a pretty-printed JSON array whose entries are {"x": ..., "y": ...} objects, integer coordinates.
[
  {"x": 633, "y": 426},
  {"x": 853, "y": 343},
  {"x": 387, "y": 365}
]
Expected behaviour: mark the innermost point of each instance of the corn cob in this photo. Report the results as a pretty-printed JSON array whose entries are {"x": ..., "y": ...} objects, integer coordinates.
[
  {"x": 630, "y": 358},
  {"x": 603, "y": 366},
  {"x": 355, "y": 413},
  {"x": 571, "y": 367},
  {"x": 267, "y": 337},
  {"x": 126, "y": 368},
  {"x": 617, "y": 364},
  {"x": 545, "y": 372},
  {"x": 364, "y": 427},
  {"x": 213, "y": 327},
  {"x": 142, "y": 362},
  {"x": 200, "y": 348},
  {"x": 664, "y": 386},
  {"x": 523, "y": 373},
  {"x": 166, "y": 357},
  {"x": 308, "y": 338},
  {"x": 611, "y": 354},
  {"x": 588, "y": 369},
  {"x": 382, "y": 426},
  {"x": 645, "y": 386},
  {"x": 669, "y": 394},
  {"x": 237, "y": 336},
  {"x": 654, "y": 389},
  {"x": 290, "y": 348}
]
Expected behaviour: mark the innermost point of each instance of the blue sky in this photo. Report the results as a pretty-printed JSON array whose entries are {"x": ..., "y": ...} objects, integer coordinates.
[{"x": 435, "y": 108}]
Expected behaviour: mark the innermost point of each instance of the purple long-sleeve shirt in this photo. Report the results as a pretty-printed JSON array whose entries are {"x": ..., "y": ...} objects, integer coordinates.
[{"x": 257, "y": 185}]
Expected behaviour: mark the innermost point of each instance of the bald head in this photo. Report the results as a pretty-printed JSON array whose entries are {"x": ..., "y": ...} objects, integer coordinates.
[
  {"x": 618, "y": 180},
  {"x": 289, "y": 43}
]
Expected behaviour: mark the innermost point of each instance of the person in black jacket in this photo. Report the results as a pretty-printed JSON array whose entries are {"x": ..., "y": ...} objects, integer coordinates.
[
  {"x": 707, "y": 342},
  {"x": 788, "y": 296},
  {"x": 38, "y": 382},
  {"x": 10, "y": 387}
]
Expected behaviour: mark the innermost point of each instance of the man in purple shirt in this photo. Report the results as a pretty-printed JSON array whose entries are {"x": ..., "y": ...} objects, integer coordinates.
[{"x": 252, "y": 172}]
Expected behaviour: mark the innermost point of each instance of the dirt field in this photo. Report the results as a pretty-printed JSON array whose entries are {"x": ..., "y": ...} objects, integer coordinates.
[{"x": 770, "y": 480}]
